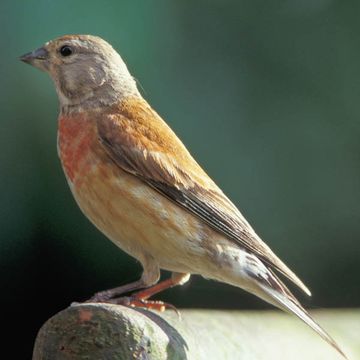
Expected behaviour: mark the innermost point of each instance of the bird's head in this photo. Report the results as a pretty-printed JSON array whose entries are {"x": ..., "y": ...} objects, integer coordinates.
[{"x": 87, "y": 71}]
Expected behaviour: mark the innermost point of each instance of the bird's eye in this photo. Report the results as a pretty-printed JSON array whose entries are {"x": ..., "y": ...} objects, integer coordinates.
[{"x": 66, "y": 50}]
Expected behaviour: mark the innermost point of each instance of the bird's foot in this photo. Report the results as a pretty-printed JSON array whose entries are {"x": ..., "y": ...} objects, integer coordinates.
[
  {"x": 101, "y": 297},
  {"x": 140, "y": 298},
  {"x": 134, "y": 301}
]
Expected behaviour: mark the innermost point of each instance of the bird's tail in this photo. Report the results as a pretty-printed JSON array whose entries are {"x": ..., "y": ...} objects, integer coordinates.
[{"x": 266, "y": 285}]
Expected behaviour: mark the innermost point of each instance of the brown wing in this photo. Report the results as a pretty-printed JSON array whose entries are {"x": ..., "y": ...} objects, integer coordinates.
[{"x": 141, "y": 143}]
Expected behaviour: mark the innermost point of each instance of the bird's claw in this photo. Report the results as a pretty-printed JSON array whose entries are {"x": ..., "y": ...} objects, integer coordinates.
[{"x": 134, "y": 301}]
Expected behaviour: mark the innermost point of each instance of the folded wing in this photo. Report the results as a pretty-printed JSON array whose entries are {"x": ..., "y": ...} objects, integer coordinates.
[{"x": 143, "y": 145}]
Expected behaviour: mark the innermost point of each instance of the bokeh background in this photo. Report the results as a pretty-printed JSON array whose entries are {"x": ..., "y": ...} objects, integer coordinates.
[{"x": 265, "y": 94}]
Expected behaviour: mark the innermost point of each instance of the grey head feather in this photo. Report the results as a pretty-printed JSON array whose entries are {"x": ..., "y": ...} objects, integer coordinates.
[{"x": 94, "y": 75}]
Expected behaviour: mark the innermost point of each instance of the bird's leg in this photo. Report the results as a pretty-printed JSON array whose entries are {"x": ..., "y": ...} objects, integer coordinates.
[
  {"x": 140, "y": 299},
  {"x": 106, "y": 295},
  {"x": 150, "y": 276}
]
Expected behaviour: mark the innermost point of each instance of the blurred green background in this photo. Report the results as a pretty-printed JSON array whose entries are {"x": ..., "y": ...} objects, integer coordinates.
[{"x": 265, "y": 94}]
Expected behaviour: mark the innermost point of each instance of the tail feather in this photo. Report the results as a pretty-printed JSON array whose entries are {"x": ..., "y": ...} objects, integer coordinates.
[
  {"x": 291, "y": 305},
  {"x": 274, "y": 262},
  {"x": 283, "y": 269},
  {"x": 266, "y": 285}
]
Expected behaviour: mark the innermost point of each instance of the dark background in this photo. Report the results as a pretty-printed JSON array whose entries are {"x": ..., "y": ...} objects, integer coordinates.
[{"x": 265, "y": 94}]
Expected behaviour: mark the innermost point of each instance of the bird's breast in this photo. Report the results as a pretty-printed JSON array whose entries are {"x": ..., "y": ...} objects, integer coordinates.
[
  {"x": 133, "y": 215},
  {"x": 77, "y": 142}
]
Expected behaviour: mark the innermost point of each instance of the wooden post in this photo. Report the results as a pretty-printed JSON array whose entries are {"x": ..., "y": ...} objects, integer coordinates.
[{"x": 103, "y": 331}]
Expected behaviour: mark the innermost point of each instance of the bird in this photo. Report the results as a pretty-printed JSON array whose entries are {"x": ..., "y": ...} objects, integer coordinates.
[{"x": 135, "y": 180}]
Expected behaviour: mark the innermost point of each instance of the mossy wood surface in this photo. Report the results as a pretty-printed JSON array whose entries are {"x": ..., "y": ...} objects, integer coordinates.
[{"x": 102, "y": 331}]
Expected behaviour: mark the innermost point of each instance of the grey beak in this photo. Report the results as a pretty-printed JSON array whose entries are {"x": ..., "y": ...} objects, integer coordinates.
[{"x": 38, "y": 54}]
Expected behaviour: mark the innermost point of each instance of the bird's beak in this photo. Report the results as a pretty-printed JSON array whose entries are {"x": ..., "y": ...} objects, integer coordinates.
[{"x": 36, "y": 58}]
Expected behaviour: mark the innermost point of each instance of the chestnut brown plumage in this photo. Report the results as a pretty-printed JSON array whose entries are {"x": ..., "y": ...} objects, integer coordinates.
[{"x": 136, "y": 181}]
